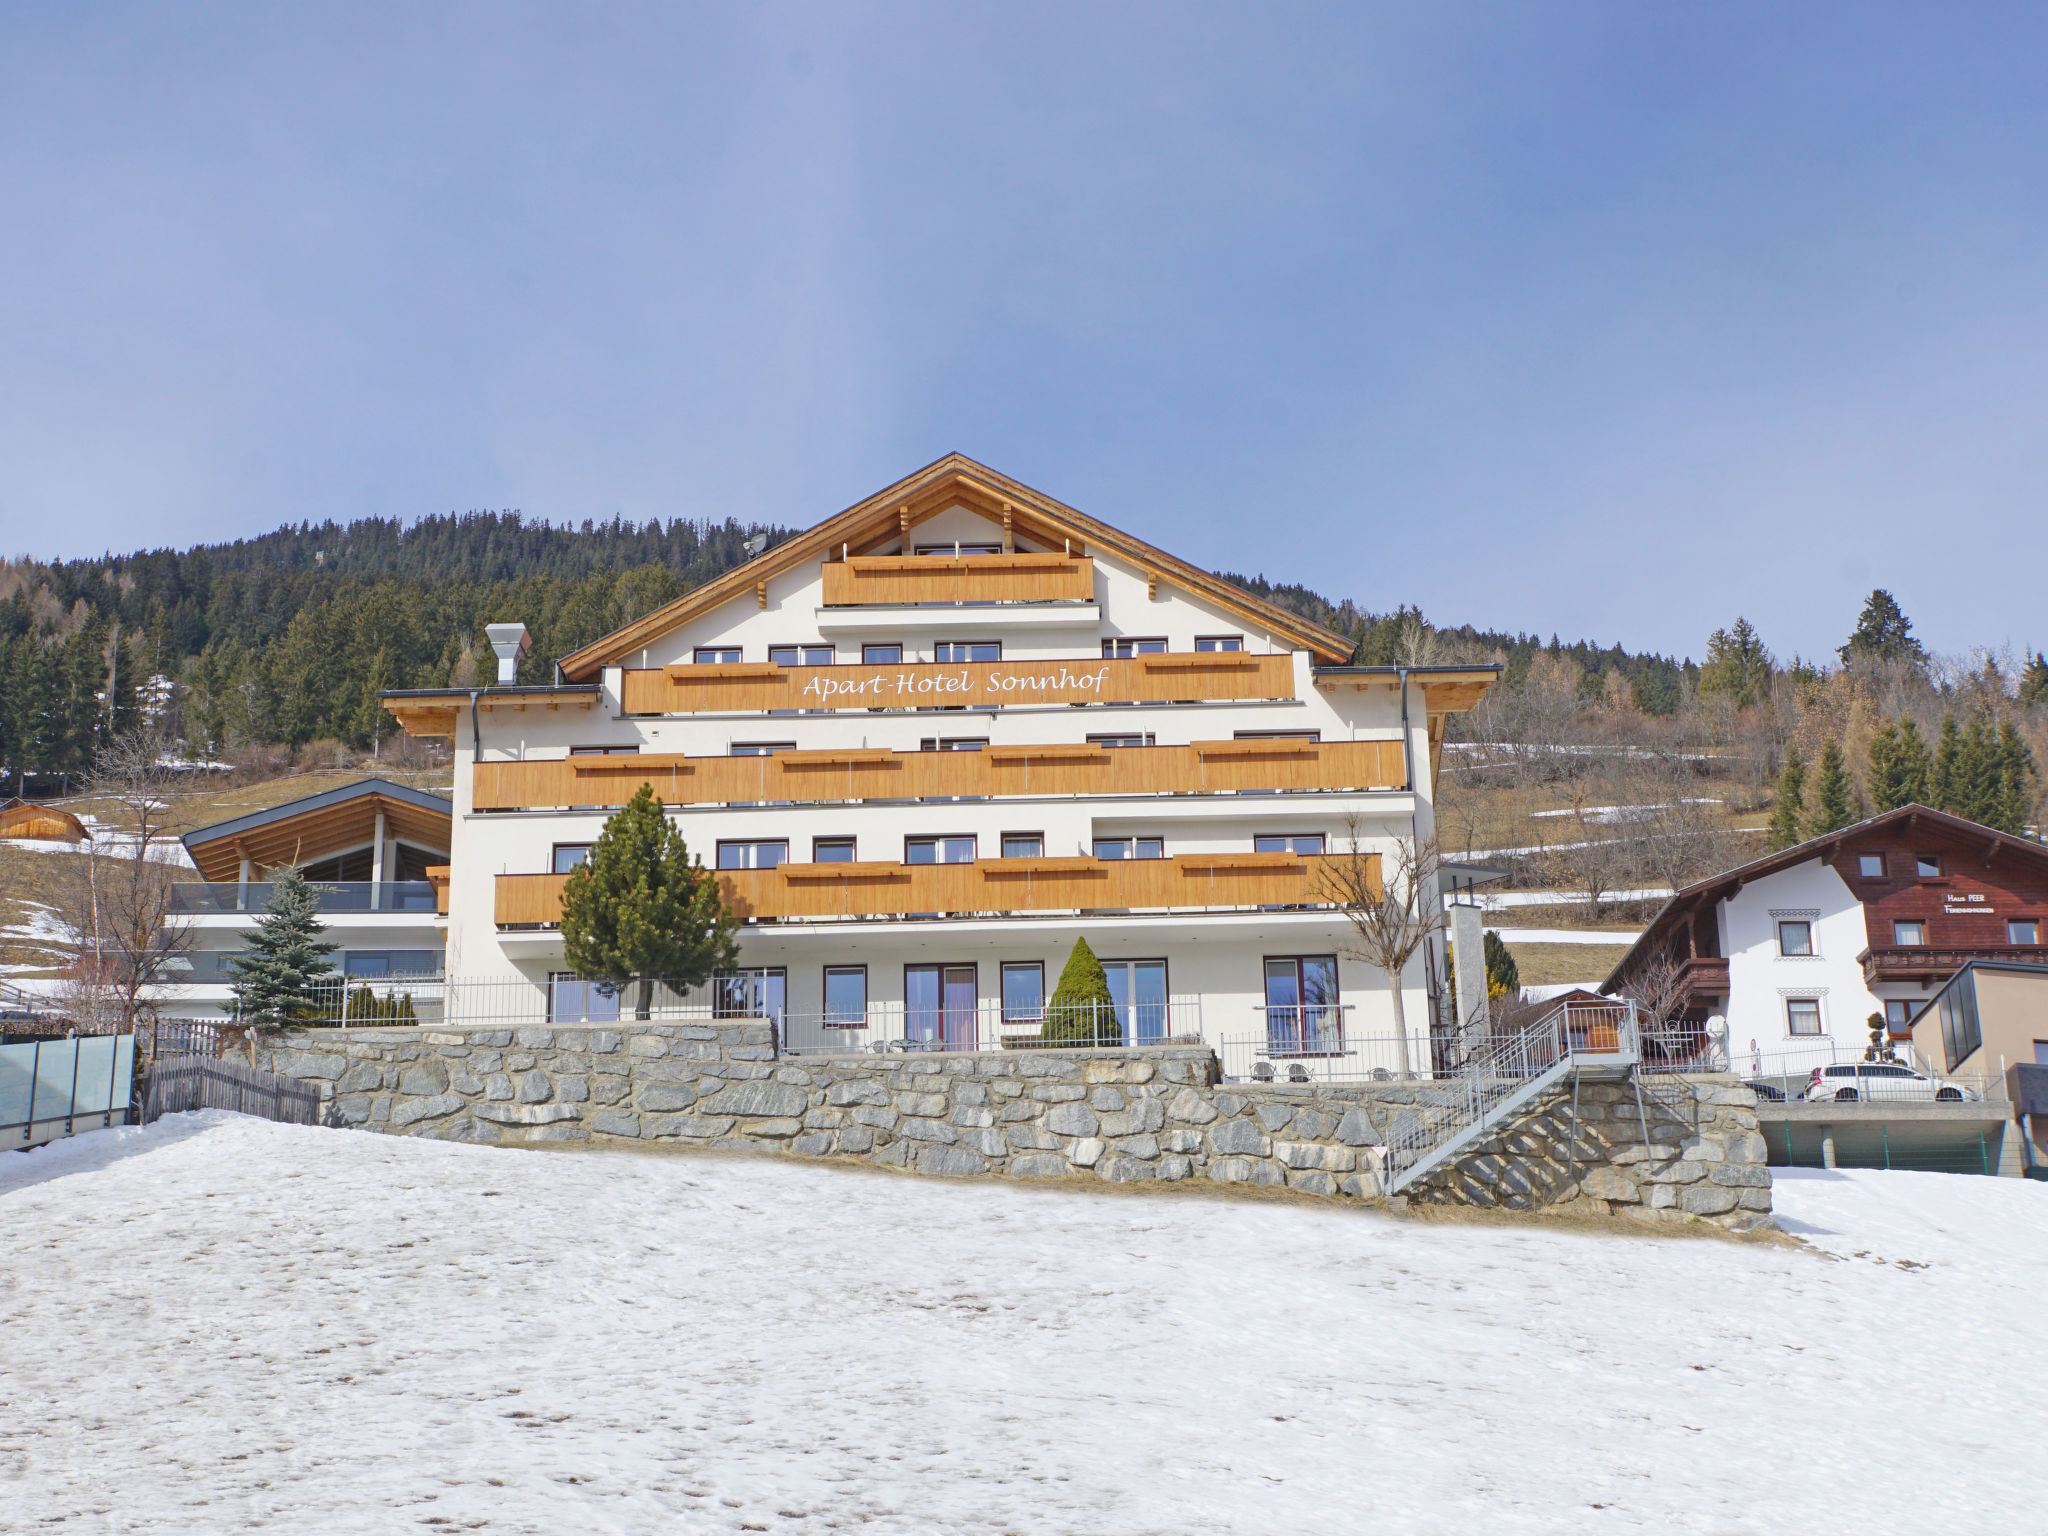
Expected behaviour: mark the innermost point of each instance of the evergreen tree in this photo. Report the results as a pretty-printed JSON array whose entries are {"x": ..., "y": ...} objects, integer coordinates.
[
  {"x": 1943, "y": 777},
  {"x": 1883, "y": 632},
  {"x": 639, "y": 908},
  {"x": 1081, "y": 1010},
  {"x": 1738, "y": 667},
  {"x": 277, "y": 982},
  {"x": 1897, "y": 773},
  {"x": 1503, "y": 976},
  {"x": 2015, "y": 802},
  {"x": 1974, "y": 784},
  {"x": 2034, "y": 682},
  {"x": 1834, "y": 794},
  {"x": 1788, "y": 816}
]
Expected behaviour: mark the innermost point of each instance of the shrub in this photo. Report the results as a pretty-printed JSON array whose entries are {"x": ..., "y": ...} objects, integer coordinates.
[{"x": 1081, "y": 1010}]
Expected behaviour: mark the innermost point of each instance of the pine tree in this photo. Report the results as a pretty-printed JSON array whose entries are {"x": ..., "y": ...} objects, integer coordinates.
[
  {"x": 1788, "y": 816},
  {"x": 1835, "y": 794},
  {"x": 278, "y": 981},
  {"x": 2034, "y": 682},
  {"x": 1738, "y": 667},
  {"x": 1897, "y": 772},
  {"x": 1883, "y": 632},
  {"x": 1081, "y": 1010},
  {"x": 639, "y": 908}
]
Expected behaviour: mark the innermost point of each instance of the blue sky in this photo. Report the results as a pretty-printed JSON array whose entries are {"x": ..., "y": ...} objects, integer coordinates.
[{"x": 1611, "y": 320}]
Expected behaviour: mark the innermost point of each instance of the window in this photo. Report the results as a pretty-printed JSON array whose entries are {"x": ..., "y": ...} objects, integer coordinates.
[
  {"x": 1293, "y": 842},
  {"x": 1303, "y": 1017},
  {"x": 1130, "y": 848},
  {"x": 1023, "y": 991},
  {"x": 715, "y": 655},
  {"x": 1138, "y": 990},
  {"x": 1219, "y": 642},
  {"x": 2023, "y": 930},
  {"x": 1802, "y": 1015},
  {"x": 800, "y": 655},
  {"x": 1929, "y": 865},
  {"x": 1870, "y": 865},
  {"x": 572, "y": 1000},
  {"x": 952, "y": 744},
  {"x": 754, "y": 855},
  {"x": 957, "y": 549},
  {"x": 938, "y": 850},
  {"x": 2041, "y": 1053},
  {"x": 1122, "y": 649},
  {"x": 1897, "y": 1010},
  {"x": 754, "y": 993},
  {"x": 832, "y": 850},
  {"x": 604, "y": 751},
  {"x": 1960, "y": 1035},
  {"x": 761, "y": 748},
  {"x": 940, "y": 1005},
  {"x": 1023, "y": 845},
  {"x": 1795, "y": 939},
  {"x": 1909, "y": 935},
  {"x": 1276, "y": 736},
  {"x": 568, "y": 856},
  {"x": 881, "y": 655},
  {"x": 846, "y": 997},
  {"x": 968, "y": 650},
  {"x": 1122, "y": 739}
]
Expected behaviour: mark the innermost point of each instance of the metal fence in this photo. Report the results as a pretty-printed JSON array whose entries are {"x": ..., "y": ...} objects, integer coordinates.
[
  {"x": 183, "y": 1083},
  {"x": 987, "y": 1026},
  {"x": 1829, "y": 1071},
  {"x": 52, "y": 1088}
]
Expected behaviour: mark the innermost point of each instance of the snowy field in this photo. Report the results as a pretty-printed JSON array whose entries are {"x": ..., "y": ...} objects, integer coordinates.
[{"x": 222, "y": 1325}]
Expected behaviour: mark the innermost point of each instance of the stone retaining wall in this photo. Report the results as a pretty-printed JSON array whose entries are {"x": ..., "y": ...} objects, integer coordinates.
[{"x": 1124, "y": 1116}]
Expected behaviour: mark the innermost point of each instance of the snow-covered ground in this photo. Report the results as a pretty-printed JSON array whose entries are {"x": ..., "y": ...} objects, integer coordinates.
[
  {"x": 1567, "y": 935},
  {"x": 220, "y": 1324}
]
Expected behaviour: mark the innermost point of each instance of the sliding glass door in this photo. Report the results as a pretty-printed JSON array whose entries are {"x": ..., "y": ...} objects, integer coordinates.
[
  {"x": 939, "y": 1005},
  {"x": 1138, "y": 988}
]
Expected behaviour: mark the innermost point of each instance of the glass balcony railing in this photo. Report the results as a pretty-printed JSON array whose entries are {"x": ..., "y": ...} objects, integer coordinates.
[
  {"x": 209, "y": 967},
  {"x": 335, "y": 896}
]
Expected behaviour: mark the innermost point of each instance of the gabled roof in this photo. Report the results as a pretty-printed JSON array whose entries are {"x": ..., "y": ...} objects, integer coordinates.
[
  {"x": 955, "y": 480},
  {"x": 1720, "y": 887},
  {"x": 315, "y": 825},
  {"x": 33, "y": 821}
]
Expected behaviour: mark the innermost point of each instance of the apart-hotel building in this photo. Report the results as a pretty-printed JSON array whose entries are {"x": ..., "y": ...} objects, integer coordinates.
[{"x": 930, "y": 743}]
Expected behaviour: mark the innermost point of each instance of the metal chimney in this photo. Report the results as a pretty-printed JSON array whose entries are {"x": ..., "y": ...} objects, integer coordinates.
[{"x": 511, "y": 642}]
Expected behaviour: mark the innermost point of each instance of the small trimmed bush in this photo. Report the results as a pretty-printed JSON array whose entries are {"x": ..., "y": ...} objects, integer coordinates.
[{"x": 1081, "y": 1010}]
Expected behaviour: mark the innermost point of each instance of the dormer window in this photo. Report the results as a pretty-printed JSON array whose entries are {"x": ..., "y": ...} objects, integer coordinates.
[
  {"x": 1870, "y": 865},
  {"x": 1928, "y": 865}
]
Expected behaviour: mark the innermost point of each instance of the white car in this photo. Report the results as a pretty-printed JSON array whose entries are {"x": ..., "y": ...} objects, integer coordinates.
[{"x": 1853, "y": 1081}]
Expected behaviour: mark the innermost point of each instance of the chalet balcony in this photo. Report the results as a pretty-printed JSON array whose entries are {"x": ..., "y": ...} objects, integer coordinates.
[
  {"x": 1207, "y": 767},
  {"x": 910, "y": 580},
  {"x": 1927, "y": 964},
  {"x": 1705, "y": 978},
  {"x": 818, "y": 892},
  {"x": 227, "y": 897}
]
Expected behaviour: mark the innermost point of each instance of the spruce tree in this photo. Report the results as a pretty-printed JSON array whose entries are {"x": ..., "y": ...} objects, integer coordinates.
[
  {"x": 1834, "y": 794},
  {"x": 1975, "y": 783},
  {"x": 1081, "y": 1010},
  {"x": 1883, "y": 632},
  {"x": 277, "y": 982},
  {"x": 2015, "y": 799},
  {"x": 1944, "y": 776},
  {"x": 1897, "y": 772},
  {"x": 2034, "y": 682},
  {"x": 1503, "y": 976},
  {"x": 1788, "y": 816},
  {"x": 1738, "y": 668},
  {"x": 639, "y": 908}
]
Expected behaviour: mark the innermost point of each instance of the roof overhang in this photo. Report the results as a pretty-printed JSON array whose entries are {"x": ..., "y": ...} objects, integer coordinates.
[
  {"x": 956, "y": 480},
  {"x": 319, "y": 825},
  {"x": 428, "y": 712},
  {"x": 1448, "y": 690}
]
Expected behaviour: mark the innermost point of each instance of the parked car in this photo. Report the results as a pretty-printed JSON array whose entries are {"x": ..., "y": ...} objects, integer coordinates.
[{"x": 1856, "y": 1080}]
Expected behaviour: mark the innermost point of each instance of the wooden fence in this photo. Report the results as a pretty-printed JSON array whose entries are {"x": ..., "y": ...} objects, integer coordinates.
[{"x": 180, "y": 1083}]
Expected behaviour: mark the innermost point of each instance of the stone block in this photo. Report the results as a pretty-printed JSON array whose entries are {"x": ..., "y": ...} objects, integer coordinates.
[
  {"x": 380, "y": 1109},
  {"x": 1099, "y": 1069},
  {"x": 1741, "y": 1176},
  {"x": 614, "y": 1122},
  {"x": 795, "y": 1076},
  {"x": 879, "y": 1119},
  {"x": 1031, "y": 1138},
  {"x": 1144, "y": 1148},
  {"x": 1312, "y": 1183},
  {"x": 1040, "y": 1165},
  {"x": 698, "y": 1126},
  {"x": 413, "y": 1111},
  {"x": 977, "y": 1115},
  {"x": 1018, "y": 1112},
  {"x": 1704, "y": 1149},
  {"x": 1609, "y": 1184},
  {"x": 1087, "y": 1152},
  {"x": 361, "y": 1078},
  {"x": 776, "y": 1128},
  {"x": 1706, "y": 1200},
  {"x": 353, "y": 1109},
  {"x": 609, "y": 1090},
  {"x": 1141, "y": 1118},
  {"x": 575, "y": 1090},
  {"x": 1173, "y": 1169},
  {"x": 1238, "y": 1136},
  {"x": 1072, "y": 1120},
  {"x": 603, "y": 1042},
  {"x": 951, "y": 1162},
  {"x": 534, "y": 1088},
  {"x": 1192, "y": 1107},
  {"x": 1662, "y": 1197},
  {"x": 1058, "y": 1093},
  {"x": 554, "y": 1133},
  {"x": 534, "y": 1039},
  {"x": 462, "y": 1083},
  {"x": 1266, "y": 1173},
  {"x": 645, "y": 1045},
  {"x": 665, "y": 1096},
  {"x": 1679, "y": 1171},
  {"x": 757, "y": 1098},
  {"x": 520, "y": 1061},
  {"x": 1106, "y": 1098},
  {"x": 812, "y": 1144},
  {"x": 483, "y": 1063},
  {"x": 308, "y": 1065},
  {"x": 1273, "y": 1117},
  {"x": 750, "y": 1053},
  {"x": 527, "y": 1114},
  {"x": 856, "y": 1091},
  {"x": 1119, "y": 1169},
  {"x": 816, "y": 1119},
  {"x": 921, "y": 1103},
  {"x": 1747, "y": 1147},
  {"x": 856, "y": 1138},
  {"x": 970, "y": 1093},
  {"x": 987, "y": 1143},
  {"x": 1139, "y": 1071},
  {"x": 1356, "y": 1128},
  {"x": 1298, "y": 1154},
  {"x": 1311, "y": 1125},
  {"x": 1754, "y": 1199},
  {"x": 918, "y": 1128}
]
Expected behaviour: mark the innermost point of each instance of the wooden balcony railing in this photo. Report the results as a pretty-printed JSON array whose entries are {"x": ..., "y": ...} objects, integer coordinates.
[
  {"x": 1928, "y": 963},
  {"x": 1211, "y": 767},
  {"x": 685, "y": 688},
  {"x": 999, "y": 885},
  {"x": 1037, "y": 578},
  {"x": 1705, "y": 976}
]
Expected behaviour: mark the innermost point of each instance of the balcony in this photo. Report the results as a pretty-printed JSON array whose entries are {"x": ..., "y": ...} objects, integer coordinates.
[
  {"x": 910, "y": 580},
  {"x": 844, "y": 891},
  {"x": 1206, "y": 767},
  {"x": 1705, "y": 977},
  {"x": 1926, "y": 964},
  {"x": 1165, "y": 677},
  {"x": 210, "y": 967},
  {"x": 198, "y": 898}
]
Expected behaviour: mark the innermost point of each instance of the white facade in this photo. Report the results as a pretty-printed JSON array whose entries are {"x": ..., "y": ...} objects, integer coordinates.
[
  {"x": 1764, "y": 983},
  {"x": 1211, "y": 964}
]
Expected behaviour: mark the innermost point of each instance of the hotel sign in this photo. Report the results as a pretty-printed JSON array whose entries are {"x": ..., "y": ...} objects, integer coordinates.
[{"x": 684, "y": 687}]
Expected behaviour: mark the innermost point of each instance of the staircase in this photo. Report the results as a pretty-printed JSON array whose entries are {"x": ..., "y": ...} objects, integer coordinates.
[{"x": 1574, "y": 1039}]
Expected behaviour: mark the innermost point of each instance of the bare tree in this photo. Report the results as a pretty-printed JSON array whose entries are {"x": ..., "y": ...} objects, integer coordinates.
[
  {"x": 1392, "y": 910},
  {"x": 115, "y": 898}
]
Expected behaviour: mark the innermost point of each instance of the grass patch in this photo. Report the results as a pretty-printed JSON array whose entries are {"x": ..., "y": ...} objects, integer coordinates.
[{"x": 1555, "y": 965}]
